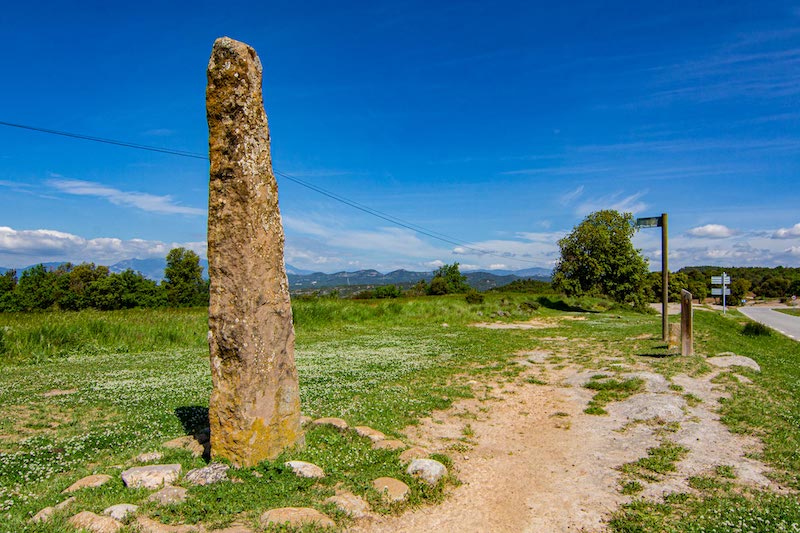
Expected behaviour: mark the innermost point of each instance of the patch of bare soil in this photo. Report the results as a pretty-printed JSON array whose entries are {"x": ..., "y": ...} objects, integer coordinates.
[{"x": 530, "y": 459}]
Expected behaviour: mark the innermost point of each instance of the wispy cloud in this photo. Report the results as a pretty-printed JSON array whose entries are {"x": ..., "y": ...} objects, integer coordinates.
[
  {"x": 569, "y": 197},
  {"x": 631, "y": 203},
  {"x": 21, "y": 247},
  {"x": 139, "y": 200},
  {"x": 712, "y": 231}
]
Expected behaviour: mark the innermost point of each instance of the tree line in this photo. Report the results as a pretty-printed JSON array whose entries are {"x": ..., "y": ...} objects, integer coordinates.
[{"x": 74, "y": 287}]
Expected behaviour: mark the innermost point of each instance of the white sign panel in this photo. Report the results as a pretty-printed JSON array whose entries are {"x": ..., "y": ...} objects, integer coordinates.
[
  {"x": 718, "y": 280},
  {"x": 717, "y": 291}
]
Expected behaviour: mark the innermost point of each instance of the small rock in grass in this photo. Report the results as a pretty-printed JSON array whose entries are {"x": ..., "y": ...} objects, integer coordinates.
[
  {"x": 150, "y": 477},
  {"x": 338, "y": 423},
  {"x": 189, "y": 443},
  {"x": 95, "y": 480},
  {"x": 350, "y": 504},
  {"x": 412, "y": 453},
  {"x": 296, "y": 517},
  {"x": 148, "y": 525},
  {"x": 66, "y": 503},
  {"x": 428, "y": 470},
  {"x": 168, "y": 496},
  {"x": 95, "y": 523},
  {"x": 734, "y": 360},
  {"x": 43, "y": 515},
  {"x": 148, "y": 457},
  {"x": 372, "y": 434},
  {"x": 391, "y": 489},
  {"x": 213, "y": 473},
  {"x": 388, "y": 444},
  {"x": 304, "y": 469},
  {"x": 121, "y": 511}
]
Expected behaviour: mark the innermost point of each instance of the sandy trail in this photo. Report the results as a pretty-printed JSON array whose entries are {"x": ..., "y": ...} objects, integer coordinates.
[{"x": 534, "y": 461}]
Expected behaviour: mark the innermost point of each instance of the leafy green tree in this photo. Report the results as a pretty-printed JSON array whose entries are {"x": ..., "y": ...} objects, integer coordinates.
[
  {"x": 36, "y": 289},
  {"x": 599, "y": 258},
  {"x": 448, "y": 279},
  {"x": 125, "y": 290},
  {"x": 387, "y": 291},
  {"x": 80, "y": 277},
  {"x": 8, "y": 281},
  {"x": 183, "y": 279},
  {"x": 739, "y": 288}
]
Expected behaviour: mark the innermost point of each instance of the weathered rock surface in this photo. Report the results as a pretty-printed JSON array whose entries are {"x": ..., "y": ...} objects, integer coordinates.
[
  {"x": 148, "y": 525},
  {"x": 148, "y": 457},
  {"x": 169, "y": 496},
  {"x": 43, "y": 515},
  {"x": 95, "y": 523},
  {"x": 47, "y": 513},
  {"x": 388, "y": 444},
  {"x": 372, "y": 434},
  {"x": 338, "y": 423},
  {"x": 734, "y": 360},
  {"x": 296, "y": 517},
  {"x": 428, "y": 470},
  {"x": 254, "y": 409},
  {"x": 391, "y": 489},
  {"x": 304, "y": 469},
  {"x": 213, "y": 473},
  {"x": 189, "y": 443},
  {"x": 350, "y": 504},
  {"x": 150, "y": 477},
  {"x": 121, "y": 511},
  {"x": 648, "y": 405},
  {"x": 412, "y": 453},
  {"x": 94, "y": 480}
]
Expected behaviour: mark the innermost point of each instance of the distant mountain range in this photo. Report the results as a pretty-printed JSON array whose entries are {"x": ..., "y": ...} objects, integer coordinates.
[{"x": 306, "y": 279}]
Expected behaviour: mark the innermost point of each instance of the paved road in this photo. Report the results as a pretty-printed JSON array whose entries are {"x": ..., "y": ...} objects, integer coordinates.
[{"x": 787, "y": 324}]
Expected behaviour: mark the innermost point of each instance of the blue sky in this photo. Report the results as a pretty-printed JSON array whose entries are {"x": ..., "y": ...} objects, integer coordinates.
[{"x": 501, "y": 124}]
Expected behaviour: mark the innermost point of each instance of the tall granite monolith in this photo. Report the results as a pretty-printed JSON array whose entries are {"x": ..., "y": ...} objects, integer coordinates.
[{"x": 254, "y": 409}]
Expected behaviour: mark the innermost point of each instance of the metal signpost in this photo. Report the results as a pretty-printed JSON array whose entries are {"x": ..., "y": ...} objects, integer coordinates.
[
  {"x": 655, "y": 222},
  {"x": 723, "y": 291}
]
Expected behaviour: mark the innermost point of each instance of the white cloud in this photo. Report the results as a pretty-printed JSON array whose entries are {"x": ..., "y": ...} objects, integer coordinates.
[
  {"x": 139, "y": 200},
  {"x": 787, "y": 233},
  {"x": 435, "y": 263},
  {"x": 498, "y": 266},
  {"x": 712, "y": 231},
  {"x": 23, "y": 247}
]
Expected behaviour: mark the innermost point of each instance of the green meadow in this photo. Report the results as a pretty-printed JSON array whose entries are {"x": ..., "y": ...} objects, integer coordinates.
[{"x": 85, "y": 392}]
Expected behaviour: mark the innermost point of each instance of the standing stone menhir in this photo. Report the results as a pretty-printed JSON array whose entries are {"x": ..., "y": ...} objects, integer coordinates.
[{"x": 254, "y": 409}]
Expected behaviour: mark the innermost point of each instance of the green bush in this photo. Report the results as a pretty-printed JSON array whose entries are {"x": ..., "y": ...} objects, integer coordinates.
[
  {"x": 756, "y": 329},
  {"x": 474, "y": 297}
]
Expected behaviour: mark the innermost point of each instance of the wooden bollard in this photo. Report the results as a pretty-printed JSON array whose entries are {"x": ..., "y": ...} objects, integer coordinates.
[{"x": 687, "y": 334}]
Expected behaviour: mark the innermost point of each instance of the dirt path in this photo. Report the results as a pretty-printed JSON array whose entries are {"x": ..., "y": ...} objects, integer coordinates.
[{"x": 530, "y": 459}]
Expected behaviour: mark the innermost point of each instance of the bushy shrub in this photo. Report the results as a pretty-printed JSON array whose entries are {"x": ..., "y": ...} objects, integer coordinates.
[
  {"x": 474, "y": 297},
  {"x": 756, "y": 329}
]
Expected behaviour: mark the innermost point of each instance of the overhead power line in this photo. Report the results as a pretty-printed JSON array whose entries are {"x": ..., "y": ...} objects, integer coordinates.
[{"x": 194, "y": 155}]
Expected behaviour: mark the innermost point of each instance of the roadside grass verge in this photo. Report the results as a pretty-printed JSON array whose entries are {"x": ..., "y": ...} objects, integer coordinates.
[
  {"x": 793, "y": 312},
  {"x": 767, "y": 408}
]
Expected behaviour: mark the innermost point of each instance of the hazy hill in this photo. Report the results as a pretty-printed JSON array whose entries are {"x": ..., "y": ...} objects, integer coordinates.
[{"x": 300, "y": 279}]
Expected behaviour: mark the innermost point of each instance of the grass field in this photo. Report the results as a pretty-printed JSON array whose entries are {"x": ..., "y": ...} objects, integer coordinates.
[{"x": 85, "y": 392}]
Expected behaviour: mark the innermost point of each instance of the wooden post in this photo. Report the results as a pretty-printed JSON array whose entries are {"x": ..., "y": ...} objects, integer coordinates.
[
  {"x": 687, "y": 334},
  {"x": 664, "y": 279}
]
